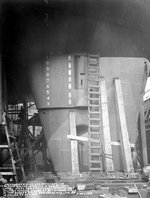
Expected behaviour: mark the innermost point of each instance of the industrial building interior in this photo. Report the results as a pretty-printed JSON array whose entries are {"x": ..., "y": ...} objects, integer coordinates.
[{"x": 73, "y": 107}]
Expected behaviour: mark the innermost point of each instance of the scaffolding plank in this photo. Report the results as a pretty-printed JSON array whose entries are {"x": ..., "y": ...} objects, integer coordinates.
[
  {"x": 7, "y": 173},
  {"x": 4, "y": 146},
  {"x": 126, "y": 149},
  {"x": 73, "y": 137}
]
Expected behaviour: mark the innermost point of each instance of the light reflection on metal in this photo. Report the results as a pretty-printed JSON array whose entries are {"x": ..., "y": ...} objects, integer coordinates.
[{"x": 46, "y": 1}]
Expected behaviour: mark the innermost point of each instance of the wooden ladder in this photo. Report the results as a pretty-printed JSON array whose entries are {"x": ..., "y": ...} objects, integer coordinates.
[
  {"x": 94, "y": 115},
  {"x": 13, "y": 153}
]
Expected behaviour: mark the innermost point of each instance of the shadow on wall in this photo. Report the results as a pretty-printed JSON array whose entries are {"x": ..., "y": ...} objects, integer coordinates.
[{"x": 82, "y": 130}]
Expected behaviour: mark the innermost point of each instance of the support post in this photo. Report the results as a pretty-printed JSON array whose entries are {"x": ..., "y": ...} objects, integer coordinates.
[
  {"x": 74, "y": 144},
  {"x": 143, "y": 135},
  {"x": 126, "y": 148},
  {"x": 106, "y": 128}
]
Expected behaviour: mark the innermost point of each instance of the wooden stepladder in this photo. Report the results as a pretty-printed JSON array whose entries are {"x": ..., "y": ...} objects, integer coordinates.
[
  {"x": 16, "y": 169},
  {"x": 94, "y": 115}
]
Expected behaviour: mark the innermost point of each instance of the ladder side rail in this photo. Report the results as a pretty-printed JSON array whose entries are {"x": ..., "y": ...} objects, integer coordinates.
[{"x": 10, "y": 148}]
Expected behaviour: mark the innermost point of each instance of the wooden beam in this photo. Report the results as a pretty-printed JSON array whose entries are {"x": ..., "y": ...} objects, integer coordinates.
[
  {"x": 119, "y": 144},
  {"x": 106, "y": 127},
  {"x": 78, "y": 138},
  {"x": 126, "y": 148},
  {"x": 85, "y": 139},
  {"x": 74, "y": 144}
]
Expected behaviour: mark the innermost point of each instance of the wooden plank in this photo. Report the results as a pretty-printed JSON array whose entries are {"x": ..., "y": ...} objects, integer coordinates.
[
  {"x": 78, "y": 138},
  {"x": 126, "y": 149},
  {"x": 74, "y": 144},
  {"x": 4, "y": 146},
  {"x": 106, "y": 127},
  {"x": 7, "y": 173}
]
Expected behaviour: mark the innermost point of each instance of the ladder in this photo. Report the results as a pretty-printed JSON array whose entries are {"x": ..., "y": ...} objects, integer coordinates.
[
  {"x": 16, "y": 169},
  {"x": 94, "y": 115}
]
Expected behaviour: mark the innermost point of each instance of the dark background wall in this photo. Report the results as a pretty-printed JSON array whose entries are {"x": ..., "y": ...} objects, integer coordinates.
[{"x": 31, "y": 30}]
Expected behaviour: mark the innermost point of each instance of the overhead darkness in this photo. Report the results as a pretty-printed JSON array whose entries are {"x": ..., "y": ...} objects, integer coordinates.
[{"x": 33, "y": 29}]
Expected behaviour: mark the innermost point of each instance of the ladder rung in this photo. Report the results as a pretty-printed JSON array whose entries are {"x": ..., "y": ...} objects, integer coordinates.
[
  {"x": 94, "y": 86},
  {"x": 92, "y": 76},
  {"x": 94, "y": 62},
  {"x": 94, "y": 105},
  {"x": 96, "y": 168},
  {"x": 93, "y": 56},
  {"x": 94, "y": 112},
  {"x": 93, "y": 71},
  {"x": 97, "y": 72},
  {"x": 94, "y": 92},
  {"x": 94, "y": 119},
  {"x": 94, "y": 126},
  {"x": 4, "y": 146},
  {"x": 94, "y": 80},
  {"x": 7, "y": 173},
  {"x": 94, "y": 133},
  {"x": 96, "y": 154},
  {"x": 95, "y": 147},
  {"x": 94, "y": 99},
  {"x": 91, "y": 83},
  {"x": 95, "y": 161},
  {"x": 93, "y": 67},
  {"x": 94, "y": 140}
]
